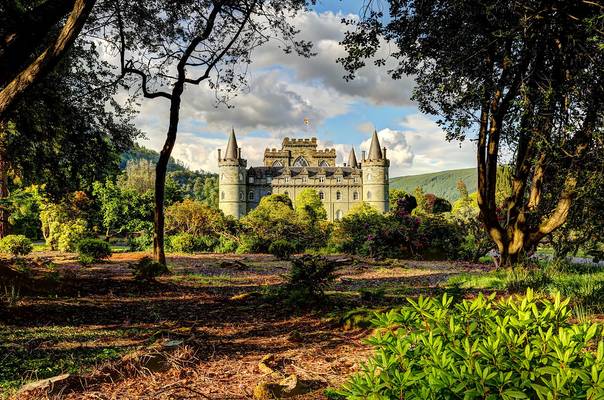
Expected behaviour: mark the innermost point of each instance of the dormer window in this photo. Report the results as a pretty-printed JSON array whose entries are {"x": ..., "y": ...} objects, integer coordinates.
[
  {"x": 251, "y": 179},
  {"x": 286, "y": 180},
  {"x": 321, "y": 179},
  {"x": 300, "y": 162},
  {"x": 323, "y": 163},
  {"x": 339, "y": 179}
]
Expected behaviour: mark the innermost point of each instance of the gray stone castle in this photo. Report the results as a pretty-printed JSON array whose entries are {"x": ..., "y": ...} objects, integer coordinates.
[{"x": 299, "y": 165}]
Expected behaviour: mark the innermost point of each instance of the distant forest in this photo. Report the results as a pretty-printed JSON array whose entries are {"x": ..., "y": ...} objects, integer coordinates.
[{"x": 442, "y": 184}]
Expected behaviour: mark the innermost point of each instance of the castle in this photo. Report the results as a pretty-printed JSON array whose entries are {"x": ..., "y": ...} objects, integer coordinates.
[{"x": 299, "y": 165}]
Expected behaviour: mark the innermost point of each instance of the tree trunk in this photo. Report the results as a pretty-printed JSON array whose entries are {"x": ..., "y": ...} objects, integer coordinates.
[
  {"x": 160, "y": 174},
  {"x": 4, "y": 226},
  {"x": 49, "y": 57}
]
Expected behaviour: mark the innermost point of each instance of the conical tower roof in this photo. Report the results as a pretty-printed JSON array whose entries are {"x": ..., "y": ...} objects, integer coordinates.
[
  {"x": 352, "y": 159},
  {"x": 375, "y": 152},
  {"x": 231, "y": 150}
]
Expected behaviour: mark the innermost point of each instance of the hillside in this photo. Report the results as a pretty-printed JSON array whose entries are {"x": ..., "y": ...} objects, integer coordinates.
[{"x": 442, "y": 184}]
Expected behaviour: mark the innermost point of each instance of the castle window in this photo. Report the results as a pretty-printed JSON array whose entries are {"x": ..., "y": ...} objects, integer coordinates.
[
  {"x": 250, "y": 195},
  {"x": 304, "y": 180},
  {"x": 355, "y": 196},
  {"x": 339, "y": 215},
  {"x": 240, "y": 177},
  {"x": 355, "y": 179},
  {"x": 323, "y": 163},
  {"x": 286, "y": 180},
  {"x": 338, "y": 195},
  {"x": 286, "y": 193},
  {"x": 339, "y": 179},
  {"x": 222, "y": 177},
  {"x": 241, "y": 196},
  {"x": 300, "y": 162},
  {"x": 251, "y": 179},
  {"x": 368, "y": 195},
  {"x": 277, "y": 164},
  {"x": 269, "y": 179},
  {"x": 368, "y": 177},
  {"x": 222, "y": 195},
  {"x": 321, "y": 179},
  {"x": 321, "y": 195}
]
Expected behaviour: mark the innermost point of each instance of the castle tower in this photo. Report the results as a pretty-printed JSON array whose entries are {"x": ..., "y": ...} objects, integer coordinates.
[
  {"x": 232, "y": 181},
  {"x": 375, "y": 175},
  {"x": 352, "y": 159}
]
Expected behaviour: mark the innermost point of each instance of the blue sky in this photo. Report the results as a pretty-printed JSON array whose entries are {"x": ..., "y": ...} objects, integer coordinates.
[{"x": 286, "y": 89}]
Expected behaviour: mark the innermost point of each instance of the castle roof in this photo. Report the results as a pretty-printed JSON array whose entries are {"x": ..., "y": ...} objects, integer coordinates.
[
  {"x": 375, "y": 152},
  {"x": 231, "y": 150},
  {"x": 352, "y": 159}
]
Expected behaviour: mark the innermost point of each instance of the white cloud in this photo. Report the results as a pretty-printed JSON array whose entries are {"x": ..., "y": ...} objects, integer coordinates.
[{"x": 420, "y": 147}]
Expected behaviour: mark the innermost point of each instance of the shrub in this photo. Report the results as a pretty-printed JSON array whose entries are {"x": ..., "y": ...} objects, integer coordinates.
[
  {"x": 147, "y": 269},
  {"x": 513, "y": 348},
  {"x": 520, "y": 278},
  {"x": 69, "y": 235},
  {"x": 444, "y": 237},
  {"x": 308, "y": 279},
  {"x": 226, "y": 245},
  {"x": 91, "y": 250},
  {"x": 183, "y": 243},
  {"x": 17, "y": 245},
  {"x": 282, "y": 249},
  {"x": 249, "y": 243}
]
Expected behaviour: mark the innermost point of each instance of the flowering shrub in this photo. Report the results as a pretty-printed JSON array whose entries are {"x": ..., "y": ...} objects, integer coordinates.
[{"x": 513, "y": 348}]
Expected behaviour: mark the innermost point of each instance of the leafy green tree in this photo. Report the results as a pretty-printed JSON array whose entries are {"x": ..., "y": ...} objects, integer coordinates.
[
  {"x": 195, "y": 218},
  {"x": 309, "y": 206},
  {"x": 524, "y": 77},
  {"x": 273, "y": 219}
]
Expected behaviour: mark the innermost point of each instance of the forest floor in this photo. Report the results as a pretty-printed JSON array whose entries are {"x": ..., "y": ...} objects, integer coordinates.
[{"x": 206, "y": 331}]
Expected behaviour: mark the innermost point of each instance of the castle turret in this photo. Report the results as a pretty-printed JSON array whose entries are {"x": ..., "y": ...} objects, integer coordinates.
[
  {"x": 352, "y": 159},
  {"x": 375, "y": 176},
  {"x": 232, "y": 180}
]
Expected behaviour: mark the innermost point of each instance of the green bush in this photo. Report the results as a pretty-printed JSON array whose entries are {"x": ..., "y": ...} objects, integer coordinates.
[
  {"x": 182, "y": 243},
  {"x": 282, "y": 249},
  {"x": 520, "y": 278},
  {"x": 512, "y": 348},
  {"x": 17, "y": 245},
  {"x": 147, "y": 269},
  {"x": 308, "y": 279},
  {"x": 444, "y": 237},
  {"x": 70, "y": 234},
  {"x": 208, "y": 243},
  {"x": 226, "y": 245},
  {"x": 91, "y": 250},
  {"x": 249, "y": 243}
]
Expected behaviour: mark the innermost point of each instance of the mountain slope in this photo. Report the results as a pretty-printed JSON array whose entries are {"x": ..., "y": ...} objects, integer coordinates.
[{"x": 442, "y": 184}]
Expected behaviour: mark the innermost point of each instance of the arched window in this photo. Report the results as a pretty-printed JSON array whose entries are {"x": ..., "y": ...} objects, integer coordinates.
[
  {"x": 277, "y": 164},
  {"x": 368, "y": 177},
  {"x": 250, "y": 195},
  {"x": 321, "y": 195},
  {"x": 241, "y": 196},
  {"x": 240, "y": 177},
  {"x": 323, "y": 163},
  {"x": 338, "y": 195},
  {"x": 355, "y": 196},
  {"x": 222, "y": 195},
  {"x": 339, "y": 215},
  {"x": 222, "y": 177},
  {"x": 300, "y": 162},
  {"x": 368, "y": 195}
]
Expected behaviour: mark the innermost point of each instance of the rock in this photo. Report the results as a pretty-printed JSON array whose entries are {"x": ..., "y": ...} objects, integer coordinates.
[
  {"x": 235, "y": 264},
  {"x": 48, "y": 383},
  {"x": 285, "y": 388}
]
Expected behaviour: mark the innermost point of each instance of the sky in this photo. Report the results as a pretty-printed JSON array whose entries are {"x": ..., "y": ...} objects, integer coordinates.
[{"x": 285, "y": 89}]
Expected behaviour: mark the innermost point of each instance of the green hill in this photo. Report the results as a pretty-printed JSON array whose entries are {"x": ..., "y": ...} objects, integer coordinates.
[{"x": 442, "y": 184}]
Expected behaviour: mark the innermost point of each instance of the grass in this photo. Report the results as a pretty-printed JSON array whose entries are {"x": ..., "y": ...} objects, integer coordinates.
[{"x": 42, "y": 352}]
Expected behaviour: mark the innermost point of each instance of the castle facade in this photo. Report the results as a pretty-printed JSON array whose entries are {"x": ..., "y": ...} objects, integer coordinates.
[{"x": 298, "y": 165}]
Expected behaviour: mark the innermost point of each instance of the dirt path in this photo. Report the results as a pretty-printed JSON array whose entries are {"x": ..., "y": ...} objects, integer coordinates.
[{"x": 99, "y": 312}]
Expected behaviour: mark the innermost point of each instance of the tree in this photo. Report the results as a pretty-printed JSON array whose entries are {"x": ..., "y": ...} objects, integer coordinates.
[
  {"x": 309, "y": 206},
  {"x": 65, "y": 132},
  {"x": 33, "y": 40},
  {"x": 167, "y": 45},
  {"x": 525, "y": 77}
]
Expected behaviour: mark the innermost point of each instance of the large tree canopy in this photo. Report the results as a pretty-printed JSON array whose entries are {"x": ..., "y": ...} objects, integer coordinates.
[{"x": 524, "y": 78}]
